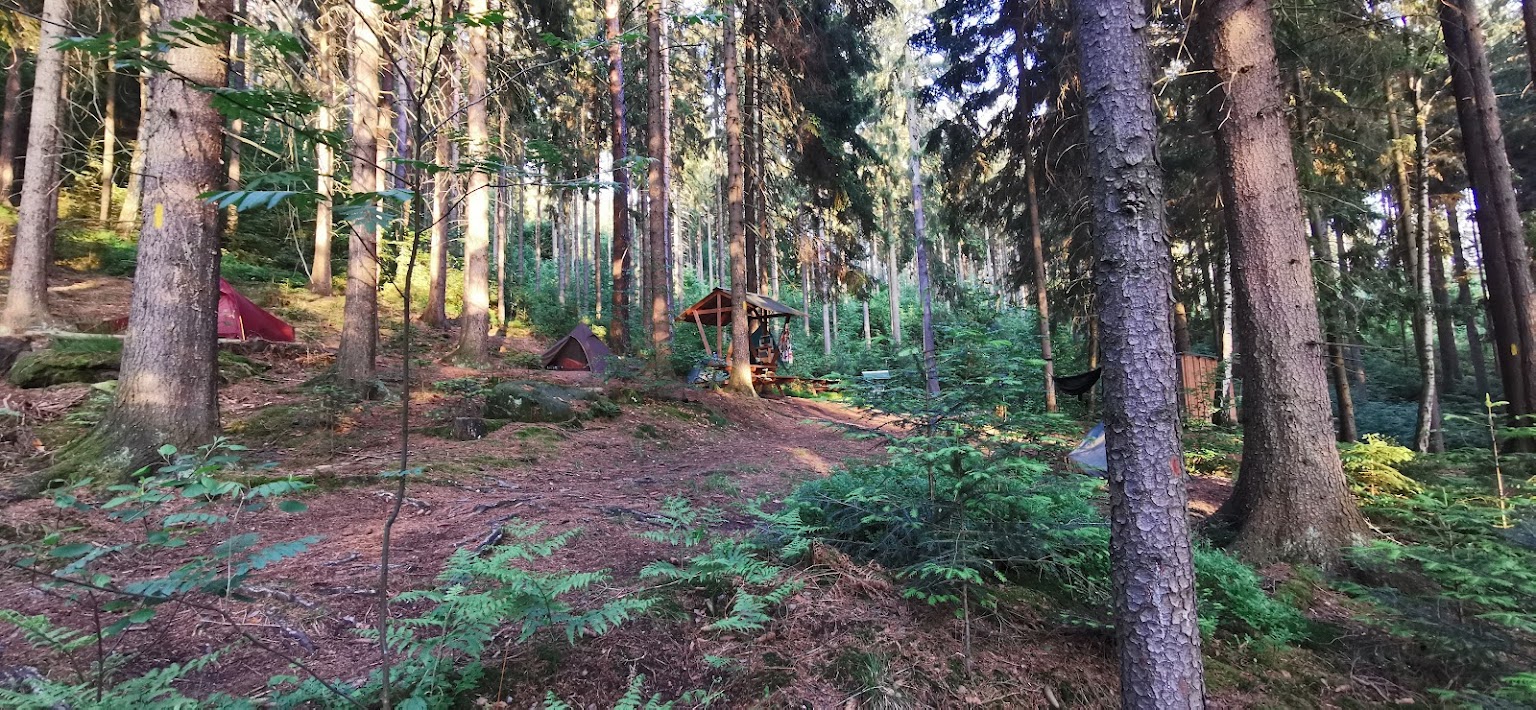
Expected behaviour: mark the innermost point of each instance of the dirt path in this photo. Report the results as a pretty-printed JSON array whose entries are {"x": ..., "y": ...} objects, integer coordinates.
[{"x": 605, "y": 477}]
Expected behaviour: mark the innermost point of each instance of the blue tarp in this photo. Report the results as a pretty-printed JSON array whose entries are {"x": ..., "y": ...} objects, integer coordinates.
[{"x": 1090, "y": 454}]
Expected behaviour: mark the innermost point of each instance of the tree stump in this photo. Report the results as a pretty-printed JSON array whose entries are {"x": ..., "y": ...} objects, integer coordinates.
[{"x": 469, "y": 428}]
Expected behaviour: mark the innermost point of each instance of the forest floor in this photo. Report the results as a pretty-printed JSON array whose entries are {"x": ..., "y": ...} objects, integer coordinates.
[{"x": 849, "y": 639}]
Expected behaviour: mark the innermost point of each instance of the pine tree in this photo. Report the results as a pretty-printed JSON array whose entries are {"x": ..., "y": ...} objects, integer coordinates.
[
  {"x": 168, "y": 388},
  {"x": 360, "y": 316},
  {"x": 1291, "y": 501},
  {"x": 26, "y": 304},
  {"x": 1152, "y": 563}
]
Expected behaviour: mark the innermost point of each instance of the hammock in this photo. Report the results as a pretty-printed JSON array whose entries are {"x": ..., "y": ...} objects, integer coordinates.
[{"x": 1078, "y": 385}]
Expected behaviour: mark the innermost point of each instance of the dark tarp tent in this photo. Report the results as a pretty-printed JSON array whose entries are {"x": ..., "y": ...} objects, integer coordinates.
[{"x": 580, "y": 350}]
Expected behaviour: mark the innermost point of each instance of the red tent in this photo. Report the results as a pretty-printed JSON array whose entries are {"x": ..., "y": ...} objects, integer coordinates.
[{"x": 240, "y": 319}]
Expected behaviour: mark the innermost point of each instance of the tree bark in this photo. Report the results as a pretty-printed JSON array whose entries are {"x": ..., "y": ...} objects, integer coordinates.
[
  {"x": 475, "y": 318},
  {"x": 621, "y": 265},
  {"x": 167, "y": 391},
  {"x": 1426, "y": 434},
  {"x": 360, "y": 314},
  {"x": 892, "y": 275},
  {"x": 658, "y": 216},
  {"x": 1151, "y": 560},
  {"x": 1291, "y": 501},
  {"x": 320, "y": 277},
  {"x": 1042, "y": 295},
  {"x": 741, "y": 352},
  {"x": 1528, "y": 14},
  {"x": 1464, "y": 301},
  {"x": 10, "y": 129},
  {"x": 26, "y": 305},
  {"x": 108, "y": 147},
  {"x": 920, "y": 238},
  {"x": 1445, "y": 325},
  {"x": 1512, "y": 296},
  {"x": 128, "y": 216},
  {"x": 1226, "y": 351},
  {"x": 1338, "y": 373},
  {"x": 435, "y": 315}
]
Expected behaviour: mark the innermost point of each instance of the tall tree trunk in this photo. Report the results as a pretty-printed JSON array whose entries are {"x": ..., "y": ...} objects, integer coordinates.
[
  {"x": 1226, "y": 352},
  {"x": 1151, "y": 561},
  {"x": 1464, "y": 301},
  {"x": 1338, "y": 373},
  {"x": 1512, "y": 296},
  {"x": 1042, "y": 296},
  {"x": 360, "y": 314},
  {"x": 26, "y": 305},
  {"x": 892, "y": 277},
  {"x": 1528, "y": 14},
  {"x": 741, "y": 351},
  {"x": 475, "y": 318},
  {"x": 320, "y": 278},
  {"x": 1291, "y": 501},
  {"x": 920, "y": 238},
  {"x": 749, "y": 41},
  {"x": 128, "y": 216},
  {"x": 232, "y": 145},
  {"x": 503, "y": 218},
  {"x": 1426, "y": 433},
  {"x": 108, "y": 148},
  {"x": 869, "y": 339},
  {"x": 658, "y": 215},
  {"x": 167, "y": 391},
  {"x": 10, "y": 128},
  {"x": 435, "y": 315},
  {"x": 621, "y": 266},
  {"x": 1445, "y": 325}
]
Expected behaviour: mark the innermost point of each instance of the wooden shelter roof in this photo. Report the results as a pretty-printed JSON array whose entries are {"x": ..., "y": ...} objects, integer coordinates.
[{"x": 715, "y": 309}]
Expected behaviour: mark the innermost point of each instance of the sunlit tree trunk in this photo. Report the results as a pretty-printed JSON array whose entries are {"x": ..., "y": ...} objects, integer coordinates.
[
  {"x": 435, "y": 315},
  {"x": 128, "y": 216},
  {"x": 920, "y": 238},
  {"x": 108, "y": 148},
  {"x": 503, "y": 214},
  {"x": 1226, "y": 353},
  {"x": 658, "y": 215},
  {"x": 741, "y": 352},
  {"x": 1151, "y": 560},
  {"x": 10, "y": 130},
  {"x": 232, "y": 144},
  {"x": 1042, "y": 300},
  {"x": 320, "y": 278},
  {"x": 475, "y": 318},
  {"x": 620, "y": 259},
  {"x": 167, "y": 391},
  {"x": 26, "y": 305},
  {"x": 360, "y": 314},
  {"x": 1291, "y": 501}
]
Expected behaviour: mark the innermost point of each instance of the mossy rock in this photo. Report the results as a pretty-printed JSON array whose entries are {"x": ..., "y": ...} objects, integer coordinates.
[
  {"x": 532, "y": 402},
  {"x": 45, "y": 368}
]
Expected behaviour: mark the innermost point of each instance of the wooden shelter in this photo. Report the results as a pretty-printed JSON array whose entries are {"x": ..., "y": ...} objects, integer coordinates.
[{"x": 715, "y": 310}]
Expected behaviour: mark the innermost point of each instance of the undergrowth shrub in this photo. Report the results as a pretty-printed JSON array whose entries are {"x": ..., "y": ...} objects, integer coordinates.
[
  {"x": 729, "y": 568},
  {"x": 440, "y": 654},
  {"x": 1371, "y": 465},
  {"x": 1453, "y": 576},
  {"x": 956, "y": 522}
]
